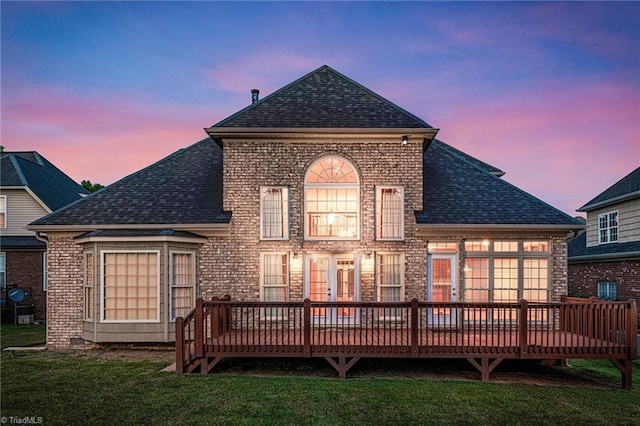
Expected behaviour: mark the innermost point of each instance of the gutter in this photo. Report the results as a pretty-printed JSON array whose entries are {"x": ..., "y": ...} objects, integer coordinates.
[{"x": 610, "y": 256}]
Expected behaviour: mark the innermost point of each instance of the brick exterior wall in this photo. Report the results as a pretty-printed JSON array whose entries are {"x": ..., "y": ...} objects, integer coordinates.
[
  {"x": 64, "y": 309},
  {"x": 25, "y": 271},
  {"x": 584, "y": 278},
  {"x": 231, "y": 265}
]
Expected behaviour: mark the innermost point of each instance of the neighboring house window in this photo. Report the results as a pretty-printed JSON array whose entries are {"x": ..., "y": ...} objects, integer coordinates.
[
  {"x": 389, "y": 213},
  {"x": 44, "y": 271},
  {"x": 89, "y": 281},
  {"x": 3, "y": 271},
  {"x": 506, "y": 271},
  {"x": 389, "y": 283},
  {"x": 131, "y": 286},
  {"x": 183, "y": 278},
  {"x": 608, "y": 227},
  {"x": 607, "y": 290},
  {"x": 274, "y": 279},
  {"x": 332, "y": 200},
  {"x": 3, "y": 211},
  {"x": 274, "y": 213}
]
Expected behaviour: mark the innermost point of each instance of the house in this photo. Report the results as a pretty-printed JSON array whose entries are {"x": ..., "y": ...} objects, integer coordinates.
[
  {"x": 604, "y": 261},
  {"x": 322, "y": 190},
  {"x": 30, "y": 187}
]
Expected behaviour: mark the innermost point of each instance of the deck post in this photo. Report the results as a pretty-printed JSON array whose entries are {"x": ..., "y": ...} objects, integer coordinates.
[
  {"x": 414, "y": 327},
  {"x": 522, "y": 328},
  {"x": 632, "y": 330},
  {"x": 179, "y": 345},
  {"x": 306, "y": 313},
  {"x": 199, "y": 328}
]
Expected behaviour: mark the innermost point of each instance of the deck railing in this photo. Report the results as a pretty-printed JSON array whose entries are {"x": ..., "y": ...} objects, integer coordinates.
[{"x": 574, "y": 328}]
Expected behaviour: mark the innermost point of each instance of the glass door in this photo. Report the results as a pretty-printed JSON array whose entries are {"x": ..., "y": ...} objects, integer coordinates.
[
  {"x": 332, "y": 278},
  {"x": 442, "y": 280}
]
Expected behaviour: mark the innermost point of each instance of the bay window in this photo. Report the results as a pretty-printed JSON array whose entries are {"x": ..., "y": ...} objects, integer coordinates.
[{"x": 182, "y": 284}]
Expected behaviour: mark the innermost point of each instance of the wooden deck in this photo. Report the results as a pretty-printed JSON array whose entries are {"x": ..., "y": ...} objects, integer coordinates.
[{"x": 342, "y": 333}]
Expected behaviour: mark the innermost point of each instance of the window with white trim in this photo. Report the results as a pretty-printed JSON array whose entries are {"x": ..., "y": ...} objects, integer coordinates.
[
  {"x": 131, "y": 286},
  {"x": 332, "y": 200},
  {"x": 89, "y": 282},
  {"x": 506, "y": 271},
  {"x": 3, "y": 271},
  {"x": 389, "y": 213},
  {"x": 389, "y": 282},
  {"x": 183, "y": 278},
  {"x": 274, "y": 282},
  {"x": 3, "y": 211},
  {"x": 274, "y": 213},
  {"x": 607, "y": 290},
  {"x": 608, "y": 227}
]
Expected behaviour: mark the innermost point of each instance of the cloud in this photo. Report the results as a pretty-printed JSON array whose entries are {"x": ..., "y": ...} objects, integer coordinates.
[{"x": 102, "y": 135}]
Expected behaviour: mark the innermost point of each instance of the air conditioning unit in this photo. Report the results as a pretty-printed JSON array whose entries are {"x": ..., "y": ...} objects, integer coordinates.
[{"x": 25, "y": 319}]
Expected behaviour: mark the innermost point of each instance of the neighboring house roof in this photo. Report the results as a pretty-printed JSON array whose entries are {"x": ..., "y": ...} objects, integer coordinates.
[
  {"x": 578, "y": 250},
  {"x": 183, "y": 188},
  {"x": 461, "y": 190},
  {"x": 324, "y": 98},
  {"x": 23, "y": 242},
  {"x": 31, "y": 170},
  {"x": 625, "y": 189}
]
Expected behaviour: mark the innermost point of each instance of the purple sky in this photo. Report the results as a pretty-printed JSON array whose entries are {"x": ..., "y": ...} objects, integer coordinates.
[{"x": 548, "y": 92}]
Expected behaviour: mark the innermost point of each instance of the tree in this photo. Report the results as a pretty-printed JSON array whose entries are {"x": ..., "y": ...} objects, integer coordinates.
[{"x": 91, "y": 187}]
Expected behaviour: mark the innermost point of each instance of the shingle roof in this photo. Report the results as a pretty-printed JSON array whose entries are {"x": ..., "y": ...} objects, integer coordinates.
[
  {"x": 626, "y": 188},
  {"x": 21, "y": 242},
  {"x": 48, "y": 183},
  {"x": 458, "y": 191},
  {"x": 185, "y": 187},
  {"x": 324, "y": 98},
  {"x": 577, "y": 249}
]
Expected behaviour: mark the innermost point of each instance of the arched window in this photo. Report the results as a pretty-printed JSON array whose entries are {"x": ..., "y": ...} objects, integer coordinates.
[{"x": 332, "y": 200}]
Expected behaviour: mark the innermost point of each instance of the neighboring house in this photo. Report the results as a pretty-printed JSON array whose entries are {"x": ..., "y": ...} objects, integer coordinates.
[
  {"x": 30, "y": 187},
  {"x": 604, "y": 261},
  {"x": 321, "y": 190}
]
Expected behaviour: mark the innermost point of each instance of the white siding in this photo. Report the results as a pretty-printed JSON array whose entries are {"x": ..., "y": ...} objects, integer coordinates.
[
  {"x": 22, "y": 209},
  {"x": 628, "y": 222}
]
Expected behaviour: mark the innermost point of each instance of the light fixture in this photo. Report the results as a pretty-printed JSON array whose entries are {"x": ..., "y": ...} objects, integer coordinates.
[{"x": 405, "y": 140}]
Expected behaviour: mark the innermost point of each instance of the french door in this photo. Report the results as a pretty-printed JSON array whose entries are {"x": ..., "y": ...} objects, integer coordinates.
[
  {"x": 331, "y": 277},
  {"x": 442, "y": 283}
]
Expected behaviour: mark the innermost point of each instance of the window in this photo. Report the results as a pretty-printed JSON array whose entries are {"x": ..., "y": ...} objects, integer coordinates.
[
  {"x": 130, "y": 286},
  {"x": 332, "y": 200},
  {"x": 389, "y": 213},
  {"x": 389, "y": 284},
  {"x": 89, "y": 282},
  {"x": 3, "y": 211},
  {"x": 3, "y": 271},
  {"x": 44, "y": 271},
  {"x": 607, "y": 290},
  {"x": 182, "y": 284},
  {"x": 506, "y": 271},
  {"x": 274, "y": 213},
  {"x": 275, "y": 282},
  {"x": 608, "y": 227}
]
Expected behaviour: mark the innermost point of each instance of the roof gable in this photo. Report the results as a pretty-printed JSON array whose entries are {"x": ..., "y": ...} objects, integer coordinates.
[
  {"x": 183, "y": 188},
  {"x": 29, "y": 169},
  {"x": 625, "y": 189},
  {"x": 324, "y": 98},
  {"x": 459, "y": 191}
]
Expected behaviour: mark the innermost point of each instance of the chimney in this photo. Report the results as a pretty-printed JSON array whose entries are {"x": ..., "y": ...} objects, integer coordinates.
[{"x": 255, "y": 95}]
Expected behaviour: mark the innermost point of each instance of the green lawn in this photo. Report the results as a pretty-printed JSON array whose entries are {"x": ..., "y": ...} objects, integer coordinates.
[{"x": 107, "y": 387}]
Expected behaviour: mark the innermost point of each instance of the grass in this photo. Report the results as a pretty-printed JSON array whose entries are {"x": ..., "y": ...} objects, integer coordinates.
[{"x": 111, "y": 387}]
